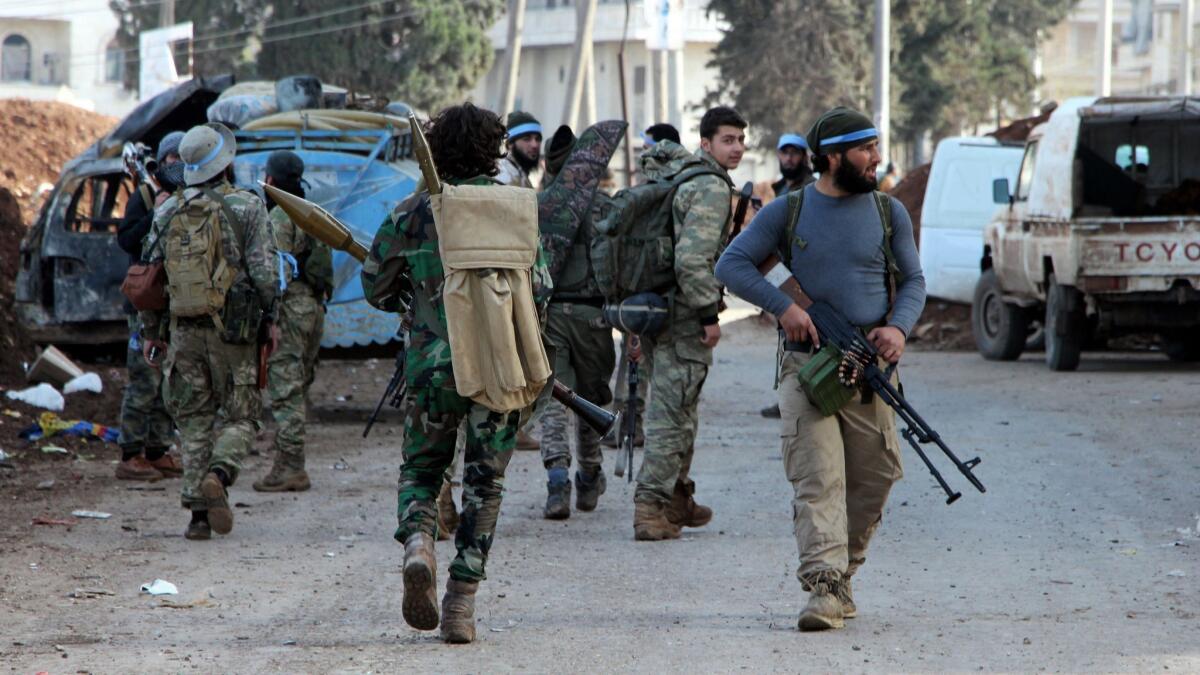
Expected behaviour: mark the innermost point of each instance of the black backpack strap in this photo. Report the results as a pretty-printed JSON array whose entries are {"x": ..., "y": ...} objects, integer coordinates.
[{"x": 891, "y": 269}]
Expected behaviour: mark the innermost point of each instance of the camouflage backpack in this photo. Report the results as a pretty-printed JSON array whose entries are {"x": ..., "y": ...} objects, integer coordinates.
[
  {"x": 198, "y": 276},
  {"x": 633, "y": 250}
]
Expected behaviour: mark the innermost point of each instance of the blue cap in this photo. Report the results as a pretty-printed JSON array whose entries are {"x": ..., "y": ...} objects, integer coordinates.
[{"x": 792, "y": 139}]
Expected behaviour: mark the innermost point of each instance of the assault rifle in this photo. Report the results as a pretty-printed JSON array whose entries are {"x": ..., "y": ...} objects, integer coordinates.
[
  {"x": 394, "y": 393},
  {"x": 629, "y": 420},
  {"x": 859, "y": 364}
]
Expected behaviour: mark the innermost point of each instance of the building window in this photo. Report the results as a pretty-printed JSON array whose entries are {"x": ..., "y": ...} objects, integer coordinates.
[
  {"x": 16, "y": 59},
  {"x": 114, "y": 62}
]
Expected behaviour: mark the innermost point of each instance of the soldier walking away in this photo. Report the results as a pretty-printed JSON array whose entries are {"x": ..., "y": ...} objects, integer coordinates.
[
  {"x": 292, "y": 367},
  {"x": 222, "y": 284},
  {"x": 583, "y": 359},
  {"x": 524, "y": 146},
  {"x": 404, "y": 259},
  {"x": 682, "y": 353},
  {"x": 146, "y": 428},
  {"x": 795, "y": 172},
  {"x": 839, "y": 238}
]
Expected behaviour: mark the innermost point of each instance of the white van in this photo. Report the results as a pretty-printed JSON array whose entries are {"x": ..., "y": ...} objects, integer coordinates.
[{"x": 958, "y": 204}]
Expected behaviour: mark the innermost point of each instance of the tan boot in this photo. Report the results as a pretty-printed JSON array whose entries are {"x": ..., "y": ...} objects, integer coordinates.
[
  {"x": 216, "y": 499},
  {"x": 458, "y": 612},
  {"x": 447, "y": 512},
  {"x": 824, "y": 609},
  {"x": 683, "y": 509},
  {"x": 138, "y": 468},
  {"x": 419, "y": 606},
  {"x": 168, "y": 465},
  {"x": 650, "y": 523},
  {"x": 849, "y": 609},
  {"x": 283, "y": 479}
]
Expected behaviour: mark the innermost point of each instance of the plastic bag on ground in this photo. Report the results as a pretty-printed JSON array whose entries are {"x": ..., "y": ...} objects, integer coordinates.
[
  {"x": 85, "y": 382},
  {"x": 41, "y": 396}
]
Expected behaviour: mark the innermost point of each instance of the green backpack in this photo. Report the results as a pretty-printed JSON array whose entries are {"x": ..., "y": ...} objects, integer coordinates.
[
  {"x": 633, "y": 250},
  {"x": 198, "y": 275}
]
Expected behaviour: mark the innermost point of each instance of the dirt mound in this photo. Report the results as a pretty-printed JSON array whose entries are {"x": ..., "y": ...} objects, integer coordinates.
[
  {"x": 38, "y": 137},
  {"x": 911, "y": 193},
  {"x": 13, "y": 342},
  {"x": 1018, "y": 130},
  {"x": 943, "y": 326}
]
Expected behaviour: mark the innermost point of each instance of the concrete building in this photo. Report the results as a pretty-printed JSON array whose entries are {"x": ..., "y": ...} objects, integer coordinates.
[
  {"x": 548, "y": 43},
  {"x": 63, "y": 50},
  {"x": 1147, "y": 53}
]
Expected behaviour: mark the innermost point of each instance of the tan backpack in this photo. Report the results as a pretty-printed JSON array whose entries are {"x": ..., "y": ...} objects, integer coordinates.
[
  {"x": 488, "y": 241},
  {"x": 198, "y": 275}
]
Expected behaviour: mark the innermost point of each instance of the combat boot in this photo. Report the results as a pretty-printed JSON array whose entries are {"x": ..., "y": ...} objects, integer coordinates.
[
  {"x": 458, "y": 612},
  {"x": 650, "y": 522},
  {"x": 590, "y": 485},
  {"x": 137, "y": 468},
  {"x": 824, "y": 609},
  {"x": 166, "y": 464},
  {"x": 220, "y": 516},
  {"x": 419, "y": 605},
  {"x": 198, "y": 529},
  {"x": 283, "y": 479},
  {"x": 849, "y": 609},
  {"x": 683, "y": 509},
  {"x": 558, "y": 495},
  {"x": 447, "y": 512}
]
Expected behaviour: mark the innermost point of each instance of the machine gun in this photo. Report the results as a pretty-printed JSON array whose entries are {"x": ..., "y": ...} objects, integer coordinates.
[
  {"x": 637, "y": 315},
  {"x": 859, "y": 366},
  {"x": 394, "y": 393}
]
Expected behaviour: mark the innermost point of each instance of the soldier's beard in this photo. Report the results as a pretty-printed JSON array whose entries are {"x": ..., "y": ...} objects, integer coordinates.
[
  {"x": 796, "y": 174},
  {"x": 850, "y": 178},
  {"x": 523, "y": 160}
]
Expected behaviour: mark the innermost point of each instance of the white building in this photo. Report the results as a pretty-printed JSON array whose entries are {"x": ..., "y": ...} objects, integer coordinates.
[
  {"x": 548, "y": 43},
  {"x": 1147, "y": 54},
  {"x": 63, "y": 50}
]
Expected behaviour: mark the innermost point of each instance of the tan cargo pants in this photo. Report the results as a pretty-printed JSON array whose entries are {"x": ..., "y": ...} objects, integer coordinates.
[{"x": 841, "y": 468}]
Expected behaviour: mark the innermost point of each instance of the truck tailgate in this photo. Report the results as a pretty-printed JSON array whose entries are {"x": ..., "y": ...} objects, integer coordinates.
[{"x": 1150, "y": 253}]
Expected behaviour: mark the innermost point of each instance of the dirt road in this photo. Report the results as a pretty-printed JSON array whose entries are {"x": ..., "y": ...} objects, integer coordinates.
[{"x": 1082, "y": 556}]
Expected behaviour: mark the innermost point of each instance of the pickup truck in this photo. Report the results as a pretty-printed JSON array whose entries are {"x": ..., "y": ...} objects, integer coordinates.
[{"x": 1101, "y": 236}]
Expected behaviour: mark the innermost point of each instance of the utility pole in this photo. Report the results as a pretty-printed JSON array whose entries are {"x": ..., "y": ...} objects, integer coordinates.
[
  {"x": 661, "y": 80},
  {"x": 1104, "y": 32},
  {"x": 512, "y": 55},
  {"x": 1187, "y": 12},
  {"x": 883, "y": 73},
  {"x": 586, "y": 11},
  {"x": 166, "y": 14}
]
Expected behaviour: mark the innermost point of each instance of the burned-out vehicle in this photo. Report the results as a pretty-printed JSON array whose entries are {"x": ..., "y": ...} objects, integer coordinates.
[
  {"x": 1101, "y": 236},
  {"x": 358, "y": 166}
]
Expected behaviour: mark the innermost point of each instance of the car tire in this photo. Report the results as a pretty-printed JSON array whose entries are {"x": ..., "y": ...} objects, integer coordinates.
[
  {"x": 1182, "y": 347},
  {"x": 1000, "y": 328},
  {"x": 1065, "y": 327}
]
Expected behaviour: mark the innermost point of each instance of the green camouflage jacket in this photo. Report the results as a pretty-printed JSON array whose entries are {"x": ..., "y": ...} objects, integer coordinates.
[
  {"x": 404, "y": 260},
  {"x": 254, "y": 259},
  {"x": 702, "y": 210}
]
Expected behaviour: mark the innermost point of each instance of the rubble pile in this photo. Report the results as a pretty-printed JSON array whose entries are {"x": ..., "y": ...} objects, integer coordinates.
[
  {"x": 911, "y": 193},
  {"x": 38, "y": 137}
]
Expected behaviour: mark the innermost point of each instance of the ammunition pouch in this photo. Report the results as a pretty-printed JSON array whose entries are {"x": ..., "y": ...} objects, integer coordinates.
[
  {"x": 241, "y": 316},
  {"x": 820, "y": 382}
]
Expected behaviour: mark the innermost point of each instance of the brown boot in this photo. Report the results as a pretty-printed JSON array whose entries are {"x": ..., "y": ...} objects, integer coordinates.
[
  {"x": 527, "y": 442},
  {"x": 650, "y": 523},
  {"x": 419, "y": 606},
  {"x": 168, "y": 465},
  {"x": 137, "y": 468},
  {"x": 849, "y": 609},
  {"x": 220, "y": 516},
  {"x": 447, "y": 512},
  {"x": 824, "y": 609},
  {"x": 283, "y": 479},
  {"x": 458, "y": 612},
  {"x": 683, "y": 509}
]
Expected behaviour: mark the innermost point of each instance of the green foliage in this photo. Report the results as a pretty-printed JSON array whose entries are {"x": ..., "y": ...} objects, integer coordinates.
[
  {"x": 954, "y": 62},
  {"x": 425, "y": 52}
]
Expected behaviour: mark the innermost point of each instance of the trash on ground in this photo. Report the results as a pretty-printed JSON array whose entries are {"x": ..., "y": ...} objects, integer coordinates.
[
  {"x": 49, "y": 424},
  {"x": 43, "y": 520},
  {"x": 100, "y": 515},
  {"x": 41, "y": 396},
  {"x": 11, "y": 413},
  {"x": 55, "y": 450},
  {"x": 88, "y": 593},
  {"x": 46, "y": 484},
  {"x": 86, "y": 382},
  {"x": 1177, "y": 573},
  {"x": 4, "y": 456},
  {"x": 160, "y": 587},
  {"x": 54, "y": 367}
]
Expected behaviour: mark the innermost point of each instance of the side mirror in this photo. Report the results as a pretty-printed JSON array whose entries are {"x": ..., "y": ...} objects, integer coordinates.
[{"x": 1000, "y": 193}]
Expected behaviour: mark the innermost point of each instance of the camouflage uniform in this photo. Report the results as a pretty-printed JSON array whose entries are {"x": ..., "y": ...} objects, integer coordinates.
[
  {"x": 292, "y": 366},
  {"x": 702, "y": 210},
  {"x": 206, "y": 381},
  {"x": 145, "y": 424},
  {"x": 404, "y": 256}
]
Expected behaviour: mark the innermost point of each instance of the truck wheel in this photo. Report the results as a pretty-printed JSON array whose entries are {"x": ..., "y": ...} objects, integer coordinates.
[
  {"x": 1065, "y": 324},
  {"x": 1182, "y": 347},
  {"x": 1000, "y": 328}
]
